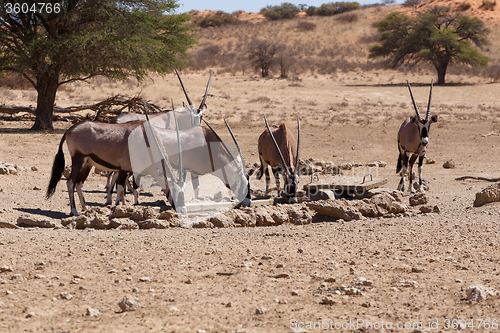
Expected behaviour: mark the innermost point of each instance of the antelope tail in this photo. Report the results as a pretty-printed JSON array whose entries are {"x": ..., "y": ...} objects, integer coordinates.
[
  {"x": 57, "y": 169},
  {"x": 400, "y": 160}
]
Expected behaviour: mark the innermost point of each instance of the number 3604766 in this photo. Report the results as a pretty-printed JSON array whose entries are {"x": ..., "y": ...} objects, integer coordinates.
[{"x": 40, "y": 7}]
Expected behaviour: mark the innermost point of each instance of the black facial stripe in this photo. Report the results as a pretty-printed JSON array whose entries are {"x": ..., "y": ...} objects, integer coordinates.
[{"x": 424, "y": 133}]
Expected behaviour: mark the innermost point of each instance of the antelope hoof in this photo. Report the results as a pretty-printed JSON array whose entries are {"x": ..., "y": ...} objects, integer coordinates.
[
  {"x": 181, "y": 210},
  {"x": 246, "y": 202},
  {"x": 73, "y": 212}
]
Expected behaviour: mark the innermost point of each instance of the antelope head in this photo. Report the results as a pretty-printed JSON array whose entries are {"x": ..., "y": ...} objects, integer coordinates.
[
  {"x": 291, "y": 177},
  {"x": 198, "y": 113},
  {"x": 423, "y": 125}
]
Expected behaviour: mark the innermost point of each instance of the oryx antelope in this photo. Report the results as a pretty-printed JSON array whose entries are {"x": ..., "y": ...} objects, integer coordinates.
[
  {"x": 279, "y": 150},
  {"x": 185, "y": 120},
  {"x": 106, "y": 146},
  {"x": 413, "y": 138}
]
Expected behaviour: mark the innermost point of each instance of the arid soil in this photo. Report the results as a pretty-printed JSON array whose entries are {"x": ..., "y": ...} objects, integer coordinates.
[{"x": 267, "y": 279}]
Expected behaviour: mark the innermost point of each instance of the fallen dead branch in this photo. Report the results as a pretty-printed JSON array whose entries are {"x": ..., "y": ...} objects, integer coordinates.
[
  {"x": 115, "y": 105},
  {"x": 491, "y": 133},
  {"x": 479, "y": 178}
]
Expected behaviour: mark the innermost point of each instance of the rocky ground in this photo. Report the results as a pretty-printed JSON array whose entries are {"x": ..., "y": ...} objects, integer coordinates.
[{"x": 389, "y": 262}]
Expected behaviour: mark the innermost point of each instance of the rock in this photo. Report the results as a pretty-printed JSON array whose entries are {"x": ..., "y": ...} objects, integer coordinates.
[
  {"x": 203, "y": 224},
  {"x": 418, "y": 199},
  {"x": 221, "y": 221},
  {"x": 280, "y": 218},
  {"x": 153, "y": 224},
  {"x": 73, "y": 219},
  {"x": 121, "y": 211},
  {"x": 417, "y": 269},
  {"x": 449, "y": 164},
  {"x": 408, "y": 283},
  {"x": 351, "y": 291},
  {"x": 282, "y": 276},
  {"x": 429, "y": 160},
  {"x": 35, "y": 221},
  {"x": 479, "y": 292},
  {"x": 339, "y": 209},
  {"x": 129, "y": 304},
  {"x": 66, "y": 295},
  {"x": 429, "y": 209},
  {"x": 260, "y": 310},
  {"x": 487, "y": 195},
  {"x": 328, "y": 300},
  {"x": 91, "y": 312},
  {"x": 128, "y": 225},
  {"x": 3, "y": 169},
  {"x": 263, "y": 218},
  {"x": 299, "y": 216},
  {"x": 8, "y": 225},
  {"x": 100, "y": 222}
]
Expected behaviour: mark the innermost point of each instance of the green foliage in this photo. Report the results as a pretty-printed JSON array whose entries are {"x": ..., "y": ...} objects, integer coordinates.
[
  {"x": 86, "y": 38},
  {"x": 284, "y": 11},
  {"x": 218, "y": 19},
  {"x": 332, "y": 8},
  {"x": 438, "y": 37}
]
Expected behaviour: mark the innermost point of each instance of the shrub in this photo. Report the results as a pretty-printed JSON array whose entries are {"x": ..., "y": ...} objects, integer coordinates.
[
  {"x": 347, "y": 17},
  {"x": 14, "y": 81},
  {"x": 463, "y": 6},
  {"x": 411, "y": 3},
  {"x": 218, "y": 19},
  {"x": 488, "y": 4},
  {"x": 332, "y": 8},
  {"x": 284, "y": 11},
  {"x": 306, "y": 26}
]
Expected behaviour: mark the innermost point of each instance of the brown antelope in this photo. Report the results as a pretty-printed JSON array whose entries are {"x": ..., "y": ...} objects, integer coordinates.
[
  {"x": 413, "y": 138},
  {"x": 279, "y": 150},
  {"x": 107, "y": 147},
  {"x": 185, "y": 120}
]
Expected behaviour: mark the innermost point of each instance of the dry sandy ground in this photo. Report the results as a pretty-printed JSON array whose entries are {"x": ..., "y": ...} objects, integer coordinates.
[{"x": 214, "y": 280}]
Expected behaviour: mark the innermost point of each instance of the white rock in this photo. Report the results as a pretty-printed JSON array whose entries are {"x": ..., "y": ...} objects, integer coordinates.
[
  {"x": 129, "y": 303},
  {"x": 479, "y": 292}
]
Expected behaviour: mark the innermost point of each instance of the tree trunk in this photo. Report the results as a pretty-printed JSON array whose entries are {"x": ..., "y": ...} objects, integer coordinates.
[
  {"x": 47, "y": 84},
  {"x": 441, "y": 70}
]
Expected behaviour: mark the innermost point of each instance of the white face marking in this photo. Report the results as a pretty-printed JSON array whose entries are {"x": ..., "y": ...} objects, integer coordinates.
[{"x": 423, "y": 130}]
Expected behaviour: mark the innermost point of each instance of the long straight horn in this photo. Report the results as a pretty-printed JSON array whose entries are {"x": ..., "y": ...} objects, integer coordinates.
[
  {"x": 220, "y": 140},
  {"x": 237, "y": 145},
  {"x": 429, "y": 105},
  {"x": 206, "y": 93},
  {"x": 181, "y": 170},
  {"x": 278, "y": 148},
  {"x": 414, "y": 104},
  {"x": 183, "y": 88},
  {"x": 298, "y": 150}
]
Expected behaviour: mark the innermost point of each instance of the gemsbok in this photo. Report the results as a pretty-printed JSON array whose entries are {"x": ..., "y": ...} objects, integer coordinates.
[
  {"x": 413, "y": 138},
  {"x": 185, "y": 120},
  {"x": 106, "y": 146},
  {"x": 279, "y": 150}
]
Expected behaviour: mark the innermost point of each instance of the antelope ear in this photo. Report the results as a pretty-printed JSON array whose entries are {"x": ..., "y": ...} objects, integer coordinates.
[
  {"x": 434, "y": 118},
  {"x": 413, "y": 119}
]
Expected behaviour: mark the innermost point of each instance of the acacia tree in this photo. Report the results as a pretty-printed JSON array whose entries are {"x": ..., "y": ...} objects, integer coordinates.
[
  {"x": 439, "y": 37},
  {"x": 69, "y": 40},
  {"x": 261, "y": 54}
]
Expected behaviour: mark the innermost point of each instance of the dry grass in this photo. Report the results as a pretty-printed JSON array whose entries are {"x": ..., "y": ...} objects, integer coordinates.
[{"x": 334, "y": 44}]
